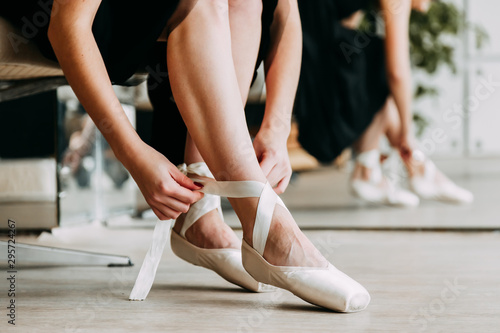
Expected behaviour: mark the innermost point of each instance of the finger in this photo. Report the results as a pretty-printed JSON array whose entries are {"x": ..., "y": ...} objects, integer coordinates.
[
  {"x": 177, "y": 191},
  {"x": 187, "y": 196},
  {"x": 282, "y": 185},
  {"x": 405, "y": 153},
  {"x": 173, "y": 204},
  {"x": 267, "y": 164},
  {"x": 164, "y": 216},
  {"x": 184, "y": 180},
  {"x": 276, "y": 175}
]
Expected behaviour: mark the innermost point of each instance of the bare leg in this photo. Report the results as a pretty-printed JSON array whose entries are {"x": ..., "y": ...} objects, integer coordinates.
[
  {"x": 370, "y": 139},
  {"x": 393, "y": 133},
  {"x": 245, "y": 22},
  {"x": 388, "y": 123},
  {"x": 205, "y": 87},
  {"x": 368, "y": 181},
  {"x": 209, "y": 231},
  {"x": 425, "y": 180}
]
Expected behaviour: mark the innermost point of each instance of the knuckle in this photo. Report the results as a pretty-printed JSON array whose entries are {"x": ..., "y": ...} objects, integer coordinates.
[
  {"x": 159, "y": 214},
  {"x": 185, "y": 208},
  {"x": 271, "y": 153},
  {"x": 194, "y": 198},
  {"x": 163, "y": 187},
  {"x": 154, "y": 197}
]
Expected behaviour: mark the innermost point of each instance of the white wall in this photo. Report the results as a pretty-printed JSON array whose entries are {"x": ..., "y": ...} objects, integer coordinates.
[
  {"x": 473, "y": 91},
  {"x": 485, "y": 65}
]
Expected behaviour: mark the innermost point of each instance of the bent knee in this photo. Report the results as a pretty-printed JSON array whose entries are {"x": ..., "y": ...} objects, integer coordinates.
[
  {"x": 213, "y": 13},
  {"x": 215, "y": 9},
  {"x": 251, "y": 8},
  {"x": 388, "y": 112}
]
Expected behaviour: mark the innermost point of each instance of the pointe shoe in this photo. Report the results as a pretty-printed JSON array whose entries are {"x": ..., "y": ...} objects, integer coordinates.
[
  {"x": 372, "y": 191},
  {"x": 427, "y": 187},
  {"x": 326, "y": 287},
  {"x": 225, "y": 262}
]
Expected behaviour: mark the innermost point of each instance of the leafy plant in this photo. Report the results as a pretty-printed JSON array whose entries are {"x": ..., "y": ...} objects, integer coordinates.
[{"x": 432, "y": 38}]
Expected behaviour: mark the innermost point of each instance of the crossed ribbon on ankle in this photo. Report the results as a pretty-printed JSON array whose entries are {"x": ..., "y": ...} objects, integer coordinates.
[{"x": 231, "y": 189}]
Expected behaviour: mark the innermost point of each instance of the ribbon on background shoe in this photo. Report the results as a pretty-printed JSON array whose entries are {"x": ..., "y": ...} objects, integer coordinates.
[
  {"x": 427, "y": 186},
  {"x": 372, "y": 190}
]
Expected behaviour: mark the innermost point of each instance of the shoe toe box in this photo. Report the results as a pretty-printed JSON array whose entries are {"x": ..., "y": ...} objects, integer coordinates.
[
  {"x": 358, "y": 302},
  {"x": 329, "y": 288}
]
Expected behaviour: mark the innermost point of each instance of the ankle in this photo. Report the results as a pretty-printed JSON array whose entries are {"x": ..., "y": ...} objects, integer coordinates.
[
  {"x": 415, "y": 166},
  {"x": 367, "y": 166},
  {"x": 361, "y": 172},
  {"x": 246, "y": 210},
  {"x": 208, "y": 232}
]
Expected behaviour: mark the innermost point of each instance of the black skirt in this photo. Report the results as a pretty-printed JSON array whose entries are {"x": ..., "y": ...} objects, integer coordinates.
[
  {"x": 343, "y": 81},
  {"x": 125, "y": 30},
  {"x": 126, "y": 33}
]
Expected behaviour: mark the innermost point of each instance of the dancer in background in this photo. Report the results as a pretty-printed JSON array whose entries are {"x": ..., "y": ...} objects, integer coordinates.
[{"x": 355, "y": 88}]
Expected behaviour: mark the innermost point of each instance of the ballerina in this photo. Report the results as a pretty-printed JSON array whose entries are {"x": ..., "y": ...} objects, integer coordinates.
[
  {"x": 212, "y": 46},
  {"x": 355, "y": 88}
]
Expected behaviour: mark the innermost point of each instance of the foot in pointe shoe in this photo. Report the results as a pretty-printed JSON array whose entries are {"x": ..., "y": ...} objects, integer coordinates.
[
  {"x": 431, "y": 184},
  {"x": 375, "y": 188},
  {"x": 279, "y": 254},
  {"x": 201, "y": 238}
]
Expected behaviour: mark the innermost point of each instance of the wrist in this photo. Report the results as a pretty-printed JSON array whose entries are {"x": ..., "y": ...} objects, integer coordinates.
[
  {"x": 277, "y": 129},
  {"x": 405, "y": 130},
  {"x": 278, "y": 135},
  {"x": 128, "y": 150},
  {"x": 277, "y": 120}
]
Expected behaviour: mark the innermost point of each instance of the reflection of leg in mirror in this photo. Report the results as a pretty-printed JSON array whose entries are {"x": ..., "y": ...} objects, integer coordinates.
[
  {"x": 368, "y": 182},
  {"x": 77, "y": 160},
  {"x": 113, "y": 167},
  {"x": 428, "y": 182},
  {"x": 425, "y": 180}
]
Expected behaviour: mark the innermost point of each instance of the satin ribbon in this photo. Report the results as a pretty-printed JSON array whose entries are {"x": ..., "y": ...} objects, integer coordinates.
[{"x": 231, "y": 189}]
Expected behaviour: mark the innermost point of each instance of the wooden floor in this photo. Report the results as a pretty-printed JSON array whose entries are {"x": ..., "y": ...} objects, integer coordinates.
[{"x": 420, "y": 281}]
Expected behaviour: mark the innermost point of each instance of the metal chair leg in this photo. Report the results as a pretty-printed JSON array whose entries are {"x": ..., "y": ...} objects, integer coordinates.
[{"x": 26, "y": 253}]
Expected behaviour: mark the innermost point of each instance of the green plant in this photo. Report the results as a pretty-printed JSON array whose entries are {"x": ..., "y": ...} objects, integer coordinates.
[{"x": 432, "y": 38}]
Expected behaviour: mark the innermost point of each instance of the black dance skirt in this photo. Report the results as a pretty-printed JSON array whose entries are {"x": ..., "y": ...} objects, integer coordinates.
[
  {"x": 125, "y": 30},
  {"x": 126, "y": 33},
  {"x": 343, "y": 81}
]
